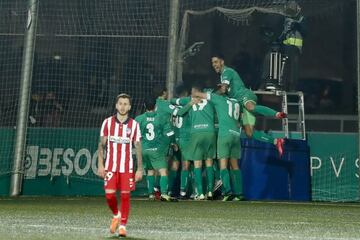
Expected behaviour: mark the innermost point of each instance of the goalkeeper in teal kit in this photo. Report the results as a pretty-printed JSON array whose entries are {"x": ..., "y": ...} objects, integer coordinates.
[{"x": 235, "y": 88}]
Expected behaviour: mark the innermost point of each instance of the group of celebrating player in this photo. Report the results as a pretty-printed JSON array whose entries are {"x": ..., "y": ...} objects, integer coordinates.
[{"x": 199, "y": 126}]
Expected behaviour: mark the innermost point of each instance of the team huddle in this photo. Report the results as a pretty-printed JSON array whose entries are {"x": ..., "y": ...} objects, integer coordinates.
[{"x": 200, "y": 125}]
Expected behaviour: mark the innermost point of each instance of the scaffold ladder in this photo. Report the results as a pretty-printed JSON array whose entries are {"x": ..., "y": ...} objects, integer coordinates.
[{"x": 290, "y": 99}]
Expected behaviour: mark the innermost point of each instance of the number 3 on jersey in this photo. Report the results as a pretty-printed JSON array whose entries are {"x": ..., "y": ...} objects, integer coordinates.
[
  {"x": 234, "y": 110},
  {"x": 150, "y": 135}
]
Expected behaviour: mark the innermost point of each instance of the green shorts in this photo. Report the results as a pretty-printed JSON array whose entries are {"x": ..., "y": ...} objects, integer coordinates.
[
  {"x": 153, "y": 159},
  {"x": 247, "y": 118},
  {"x": 245, "y": 95},
  {"x": 183, "y": 145},
  {"x": 202, "y": 146},
  {"x": 182, "y": 154},
  {"x": 177, "y": 156},
  {"x": 228, "y": 146}
]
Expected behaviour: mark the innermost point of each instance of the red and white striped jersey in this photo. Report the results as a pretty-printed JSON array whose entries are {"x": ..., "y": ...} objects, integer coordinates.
[{"x": 120, "y": 138}]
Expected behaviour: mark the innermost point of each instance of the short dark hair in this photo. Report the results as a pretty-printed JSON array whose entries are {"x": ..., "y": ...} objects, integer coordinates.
[
  {"x": 218, "y": 55},
  {"x": 123, "y": 95},
  {"x": 198, "y": 85},
  {"x": 182, "y": 90},
  {"x": 150, "y": 103},
  {"x": 158, "y": 90}
]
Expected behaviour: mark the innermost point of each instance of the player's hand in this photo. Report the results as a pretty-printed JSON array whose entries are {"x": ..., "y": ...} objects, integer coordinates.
[
  {"x": 222, "y": 88},
  {"x": 138, "y": 175},
  {"x": 195, "y": 100},
  {"x": 101, "y": 171}
]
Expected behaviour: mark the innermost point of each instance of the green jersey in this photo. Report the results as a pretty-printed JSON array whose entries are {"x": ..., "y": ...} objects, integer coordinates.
[
  {"x": 155, "y": 130},
  {"x": 201, "y": 115},
  {"x": 228, "y": 113},
  {"x": 182, "y": 126},
  {"x": 230, "y": 77}
]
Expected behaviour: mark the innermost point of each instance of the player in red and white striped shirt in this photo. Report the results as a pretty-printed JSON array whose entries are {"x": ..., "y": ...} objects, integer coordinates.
[{"x": 118, "y": 133}]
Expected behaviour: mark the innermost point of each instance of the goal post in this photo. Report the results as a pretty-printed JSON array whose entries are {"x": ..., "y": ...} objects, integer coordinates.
[{"x": 24, "y": 93}]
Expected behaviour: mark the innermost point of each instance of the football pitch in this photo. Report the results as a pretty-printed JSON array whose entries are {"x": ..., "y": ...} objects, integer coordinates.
[{"x": 88, "y": 218}]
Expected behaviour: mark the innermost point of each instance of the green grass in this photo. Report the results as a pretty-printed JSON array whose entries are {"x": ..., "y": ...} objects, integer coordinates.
[{"x": 88, "y": 218}]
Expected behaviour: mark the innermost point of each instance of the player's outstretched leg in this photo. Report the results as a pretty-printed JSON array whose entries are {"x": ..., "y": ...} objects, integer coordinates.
[
  {"x": 268, "y": 112},
  {"x": 249, "y": 100}
]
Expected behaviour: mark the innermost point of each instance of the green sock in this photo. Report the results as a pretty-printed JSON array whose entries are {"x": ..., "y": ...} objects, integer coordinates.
[
  {"x": 236, "y": 179},
  {"x": 225, "y": 178},
  {"x": 172, "y": 176},
  {"x": 164, "y": 184},
  {"x": 265, "y": 111},
  {"x": 184, "y": 179},
  {"x": 198, "y": 180},
  {"x": 192, "y": 182},
  {"x": 216, "y": 170},
  {"x": 261, "y": 136},
  {"x": 210, "y": 178},
  {"x": 157, "y": 182},
  {"x": 150, "y": 183}
]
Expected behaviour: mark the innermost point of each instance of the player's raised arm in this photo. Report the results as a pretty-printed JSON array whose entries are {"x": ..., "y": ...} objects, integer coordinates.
[
  {"x": 180, "y": 101},
  {"x": 186, "y": 108}
]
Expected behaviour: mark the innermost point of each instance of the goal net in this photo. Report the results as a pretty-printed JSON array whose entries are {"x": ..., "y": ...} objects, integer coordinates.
[
  {"x": 86, "y": 53},
  {"x": 12, "y": 19}
]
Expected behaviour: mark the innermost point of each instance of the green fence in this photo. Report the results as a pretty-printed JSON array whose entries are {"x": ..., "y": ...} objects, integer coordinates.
[{"x": 66, "y": 164}]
